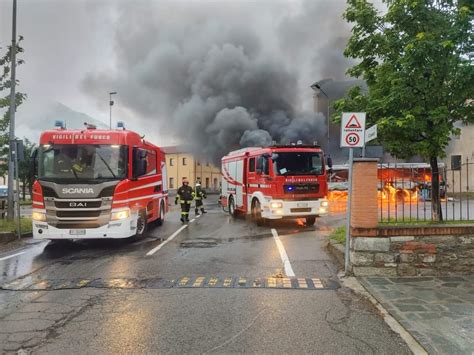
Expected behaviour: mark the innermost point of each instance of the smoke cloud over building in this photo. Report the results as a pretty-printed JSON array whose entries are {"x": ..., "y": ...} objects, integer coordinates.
[{"x": 222, "y": 75}]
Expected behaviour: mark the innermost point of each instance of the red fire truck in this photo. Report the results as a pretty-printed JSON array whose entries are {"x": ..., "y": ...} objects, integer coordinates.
[
  {"x": 275, "y": 182},
  {"x": 94, "y": 183}
]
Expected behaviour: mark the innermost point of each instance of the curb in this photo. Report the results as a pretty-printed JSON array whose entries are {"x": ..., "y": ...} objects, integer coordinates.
[
  {"x": 354, "y": 284},
  {"x": 336, "y": 250},
  {"x": 7, "y": 237}
]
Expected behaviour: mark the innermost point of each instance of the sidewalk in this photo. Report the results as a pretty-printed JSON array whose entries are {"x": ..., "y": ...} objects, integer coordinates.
[{"x": 437, "y": 311}]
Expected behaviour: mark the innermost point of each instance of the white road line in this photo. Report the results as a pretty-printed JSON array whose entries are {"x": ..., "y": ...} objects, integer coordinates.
[
  {"x": 12, "y": 256},
  {"x": 284, "y": 257},
  {"x": 191, "y": 221},
  {"x": 172, "y": 236}
]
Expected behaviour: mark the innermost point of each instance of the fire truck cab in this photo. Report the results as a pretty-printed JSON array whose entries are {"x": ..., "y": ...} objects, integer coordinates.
[
  {"x": 95, "y": 183},
  {"x": 283, "y": 181}
]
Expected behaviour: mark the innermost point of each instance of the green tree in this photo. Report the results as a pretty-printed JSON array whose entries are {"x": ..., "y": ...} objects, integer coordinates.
[
  {"x": 417, "y": 60},
  {"x": 24, "y": 168},
  {"x": 5, "y": 85}
]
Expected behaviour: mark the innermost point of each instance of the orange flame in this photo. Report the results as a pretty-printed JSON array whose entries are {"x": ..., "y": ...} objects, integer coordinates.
[{"x": 300, "y": 222}]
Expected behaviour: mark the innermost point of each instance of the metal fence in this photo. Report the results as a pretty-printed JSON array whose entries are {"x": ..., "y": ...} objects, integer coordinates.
[{"x": 405, "y": 193}]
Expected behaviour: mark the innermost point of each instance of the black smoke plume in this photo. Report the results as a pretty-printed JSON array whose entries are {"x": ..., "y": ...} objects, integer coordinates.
[{"x": 223, "y": 75}]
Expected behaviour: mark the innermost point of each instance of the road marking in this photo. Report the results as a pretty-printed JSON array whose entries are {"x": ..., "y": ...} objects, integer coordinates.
[
  {"x": 11, "y": 256},
  {"x": 154, "y": 250},
  {"x": 284, "y": 257}
]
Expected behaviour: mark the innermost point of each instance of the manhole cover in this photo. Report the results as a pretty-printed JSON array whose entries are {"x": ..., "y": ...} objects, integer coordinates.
[{"x": 198, "y": 243}]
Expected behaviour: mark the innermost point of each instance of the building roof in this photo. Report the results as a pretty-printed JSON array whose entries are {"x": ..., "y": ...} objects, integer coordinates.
[{"x": 177, "y": 149}]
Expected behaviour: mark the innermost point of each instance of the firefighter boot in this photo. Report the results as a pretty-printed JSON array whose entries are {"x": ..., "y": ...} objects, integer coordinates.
[
  {"x": 203, "y": 210},
  {"x": 182, "y": 219},
  {"x": 196, "y": 211}
]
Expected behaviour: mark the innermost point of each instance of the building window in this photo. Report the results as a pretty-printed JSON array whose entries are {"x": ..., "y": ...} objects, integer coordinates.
[
  {"x": 456, "y": 162},
  {"x": 184, "y": 161},
  {"x": 198, "y": 163},
  {"x": 215, "y": 183},
  {"x": 207, "y": 183},
  {"x": 171, "y": 162},
  {"x": 171, "y": 183}
]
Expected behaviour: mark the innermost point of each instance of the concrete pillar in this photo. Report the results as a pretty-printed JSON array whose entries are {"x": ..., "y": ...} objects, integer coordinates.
[{"x": 364, "y": 209}]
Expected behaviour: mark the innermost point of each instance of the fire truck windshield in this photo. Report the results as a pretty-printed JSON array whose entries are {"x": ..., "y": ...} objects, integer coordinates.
[
  {"x": 297, "y": 163},
  {"x": 87, "y": 163}
]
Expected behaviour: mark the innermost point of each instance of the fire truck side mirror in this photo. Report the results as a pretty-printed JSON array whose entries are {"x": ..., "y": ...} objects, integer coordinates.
[
  {"x": 34, "y": 164},
  {"x": 329, "y": 162},
  {"x": 139, "y": 164}
]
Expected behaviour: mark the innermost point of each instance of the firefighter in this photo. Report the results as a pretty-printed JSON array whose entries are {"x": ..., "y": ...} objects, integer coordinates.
[
  {"x": 185, "y": 197},
  {"x": 199, "y": 195}
]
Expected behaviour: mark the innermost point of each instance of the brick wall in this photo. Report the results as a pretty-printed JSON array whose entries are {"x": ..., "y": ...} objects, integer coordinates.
[{"x": 364, "y": 193}]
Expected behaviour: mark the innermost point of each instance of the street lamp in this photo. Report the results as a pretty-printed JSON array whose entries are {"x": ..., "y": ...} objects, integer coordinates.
[
  {"x": 316, "y": 86},
  {"x": 111, "y": 103}
]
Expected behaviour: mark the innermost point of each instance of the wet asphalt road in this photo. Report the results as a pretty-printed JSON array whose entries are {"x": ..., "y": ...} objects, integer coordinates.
[{"x": 111, "y": 297}]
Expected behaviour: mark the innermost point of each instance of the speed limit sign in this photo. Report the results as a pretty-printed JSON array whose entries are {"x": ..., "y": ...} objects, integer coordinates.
[{"x": 352, "y": 129}]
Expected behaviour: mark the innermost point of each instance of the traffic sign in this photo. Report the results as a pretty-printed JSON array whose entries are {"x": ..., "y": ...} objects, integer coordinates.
[
  {"x": 353, "y": 129},
  {"x": 371, "y": 133}
]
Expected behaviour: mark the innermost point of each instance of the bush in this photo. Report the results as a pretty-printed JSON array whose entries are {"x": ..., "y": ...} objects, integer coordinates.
[{"x": 338, "y": 235}]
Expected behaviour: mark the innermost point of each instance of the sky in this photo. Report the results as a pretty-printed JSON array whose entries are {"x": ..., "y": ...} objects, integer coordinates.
[{"x": 185, "y": 68}]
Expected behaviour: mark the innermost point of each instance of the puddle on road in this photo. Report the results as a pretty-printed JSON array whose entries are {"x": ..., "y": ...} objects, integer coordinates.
[{"x": 199, "y": 243}]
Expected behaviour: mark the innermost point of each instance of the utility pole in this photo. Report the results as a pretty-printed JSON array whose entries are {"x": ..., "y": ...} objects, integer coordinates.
[
  {"x": 316, "y": 86},
  {"x": 111, "y": 103},
  {"x": 12, "y": 143}
]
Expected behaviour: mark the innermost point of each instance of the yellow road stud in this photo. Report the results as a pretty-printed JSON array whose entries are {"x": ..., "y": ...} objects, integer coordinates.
[
  {"x": 317, "y": 283},
  {"x": 213, "y": 281},
  {"x": 302, "y": 283},
  {"x": 198, "y": 282},
  {"x": 183, "y": 281},
  {"x": 227, "y": 282}
]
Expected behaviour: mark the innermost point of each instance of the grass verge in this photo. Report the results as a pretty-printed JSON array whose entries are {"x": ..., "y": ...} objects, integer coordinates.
[
  {"x": 415, "y": 222},
  {"x": 10, "y": 226}
]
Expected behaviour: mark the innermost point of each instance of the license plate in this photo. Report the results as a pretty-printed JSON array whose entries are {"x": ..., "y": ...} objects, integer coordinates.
[
  {"x": 302, "y": 204},
  {"x": 77, "y": 232}
]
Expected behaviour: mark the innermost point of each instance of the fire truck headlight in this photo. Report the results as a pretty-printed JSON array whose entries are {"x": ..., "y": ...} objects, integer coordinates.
[
  {"x": 118, "y": 215},
  {"x": 38, "y": 216},
  {"x": 275, "y": 205},
  {"x": 324, "y": 204}
]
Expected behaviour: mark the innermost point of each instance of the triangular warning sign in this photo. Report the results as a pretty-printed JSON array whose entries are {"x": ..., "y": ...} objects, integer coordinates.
[{"x": 353, "y": 122}]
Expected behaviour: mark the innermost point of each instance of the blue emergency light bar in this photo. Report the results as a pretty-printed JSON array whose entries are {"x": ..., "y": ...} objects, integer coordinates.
[{"x": 59, "y": 124}]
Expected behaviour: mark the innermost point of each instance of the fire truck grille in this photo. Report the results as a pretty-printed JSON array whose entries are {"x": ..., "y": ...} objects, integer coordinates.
[
  {"x": 77, "y": 205},
  {"x": 300, "y": 210},
  {"x": 77, "y": 225},
  {"x": 301, "y": 188},
  {"x": 82, "y": 213},
  {"x": 78, "y": 214}
]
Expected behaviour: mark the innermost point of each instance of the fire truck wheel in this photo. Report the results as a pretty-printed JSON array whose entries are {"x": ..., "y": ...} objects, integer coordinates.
[
  {"x": 160, "y": 219},
  {"x": 141, "y": 225},
  {"x": 257, "y": 213},
  {"x": 231, "y": 206},
  {"x": 310, "y": 221}
]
